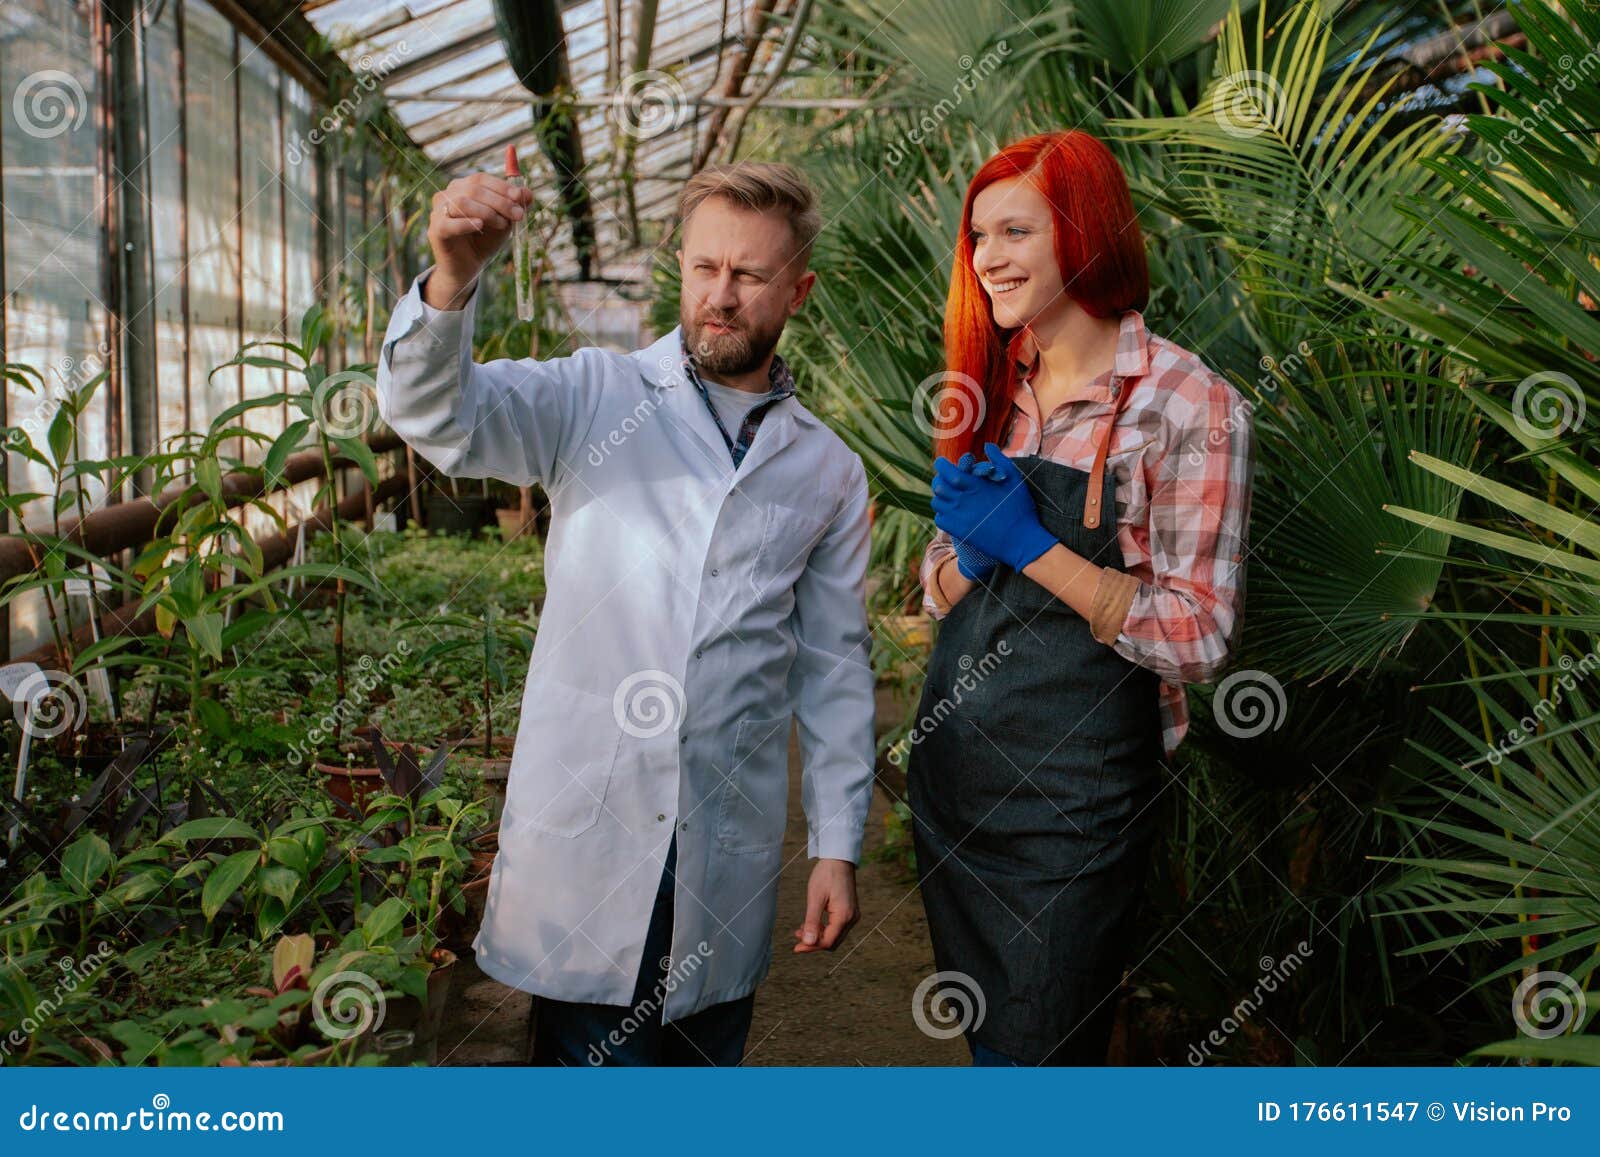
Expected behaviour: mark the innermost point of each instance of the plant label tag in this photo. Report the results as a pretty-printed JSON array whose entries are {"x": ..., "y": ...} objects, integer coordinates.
[{"x": 23, "y": 678}]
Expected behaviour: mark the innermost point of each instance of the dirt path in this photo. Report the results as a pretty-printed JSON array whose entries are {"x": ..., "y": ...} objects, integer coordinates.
[
  {"x": 851, "y": 1006},
  {"x": 848, "y": 1007}
]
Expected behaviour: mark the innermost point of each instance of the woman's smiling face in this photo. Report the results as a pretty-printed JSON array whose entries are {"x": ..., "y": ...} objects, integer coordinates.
[{"x": 1013, "y": 252}]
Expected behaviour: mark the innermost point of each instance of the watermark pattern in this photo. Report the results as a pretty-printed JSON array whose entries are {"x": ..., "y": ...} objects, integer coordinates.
[
  {"x": 1272, "y": 973},
  {"x": 649, "y": 103},
  {"x": 1547, "y": 405},
  {"x": 929, "y": 121},
  {"x": 1547, "y": 1004},
  {"x": 1527, "y": 125},
  {"x": 48, "y": 103},
  {"x": 948, "y": 404},
  {"x": 1528, "y": 726},
  {"x": 648, "y": 703},
  {"x": 1249, "y": 702},
  {"x": 941, "y": 710},
  {"x": 155, "y": 1119},
  {"x": 367, "y": 676},
  {"x": 601, "y": 450},
  {"x": 369, "y": 73},
  {"x": 1246, "y": 104},
  {"x": 48, "y": 703},
  {"x": 647, "y": 1010},
  {"x": 948, "y": 1004},
  {"x": 69, "y": 375},
  {"x": 347, "y": 1004},
  {"x": 73, "y": 974},
  {"x": 344, "y": 404}
]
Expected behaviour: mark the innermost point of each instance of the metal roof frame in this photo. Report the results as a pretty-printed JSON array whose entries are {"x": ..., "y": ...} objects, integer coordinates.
[{"x": 450, "y": 84}]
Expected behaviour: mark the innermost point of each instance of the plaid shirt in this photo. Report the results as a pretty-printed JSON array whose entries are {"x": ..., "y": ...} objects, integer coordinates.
[
  {"x": 1181, "y": 458},
  {"x": 778, "y": 375}
]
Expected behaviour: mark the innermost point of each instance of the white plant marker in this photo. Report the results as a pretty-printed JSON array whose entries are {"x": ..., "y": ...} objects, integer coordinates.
[
  {"x": 13, "y": 677},
  {"x": 83, "y": 587}
]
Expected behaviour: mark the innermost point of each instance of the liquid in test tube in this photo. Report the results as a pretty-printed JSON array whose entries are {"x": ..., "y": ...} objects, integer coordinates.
[{"x": 520, "y": 241}]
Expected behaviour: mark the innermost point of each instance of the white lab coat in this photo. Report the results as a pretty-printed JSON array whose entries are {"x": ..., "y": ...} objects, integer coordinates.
[{"x": 692, "y": 611}]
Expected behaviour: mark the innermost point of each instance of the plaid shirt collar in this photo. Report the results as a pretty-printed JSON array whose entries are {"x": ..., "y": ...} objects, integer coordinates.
[
  {"x": 1132, "y": 357},
  {"x": 778, "y": 376}
]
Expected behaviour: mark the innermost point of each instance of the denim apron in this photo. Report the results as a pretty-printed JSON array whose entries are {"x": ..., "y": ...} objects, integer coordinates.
[{"x": 1032, "y": 781}]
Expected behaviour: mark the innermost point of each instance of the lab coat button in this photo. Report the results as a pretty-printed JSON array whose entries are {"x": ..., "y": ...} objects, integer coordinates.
[
  {"x": 713, "y": 572},
  {"x": 661, "y": 817},
  {"x": 697, "y": 654}
]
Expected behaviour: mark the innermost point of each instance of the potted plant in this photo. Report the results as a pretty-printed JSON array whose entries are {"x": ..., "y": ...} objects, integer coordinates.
[
  {"x": 426, "y": 868},
  {"x": 190, "y": 576},
  {"x": 337, "y": 412},
  {"x": 451, "y": 512},
  {"x": 395, "y": 768}
]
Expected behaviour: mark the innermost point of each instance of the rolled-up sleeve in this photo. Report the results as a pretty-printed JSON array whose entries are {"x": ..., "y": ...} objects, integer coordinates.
[
  {"x": 1182, "y": 624},
  {"x": 511, "y": 418},
  {"x": 831, "y": 681},
  {"x": 940, "y": 549}
]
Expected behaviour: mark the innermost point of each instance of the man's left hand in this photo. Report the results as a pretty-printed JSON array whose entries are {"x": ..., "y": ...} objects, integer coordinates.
[{"x": 832, "y": 889}]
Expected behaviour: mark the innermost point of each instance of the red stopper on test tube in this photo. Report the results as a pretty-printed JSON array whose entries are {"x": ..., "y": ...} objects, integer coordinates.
[{"x": 512, "y": 168}]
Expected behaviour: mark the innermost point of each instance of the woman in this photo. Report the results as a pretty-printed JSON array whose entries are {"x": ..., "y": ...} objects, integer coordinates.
[{"x": 1091, "y": 513}]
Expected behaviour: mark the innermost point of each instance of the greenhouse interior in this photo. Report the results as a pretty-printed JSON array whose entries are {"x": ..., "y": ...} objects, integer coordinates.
[{"x": 339, "y": 334}]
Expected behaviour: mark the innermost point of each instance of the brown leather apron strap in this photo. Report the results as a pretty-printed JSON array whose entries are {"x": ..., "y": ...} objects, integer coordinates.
[{"x": 1091, "y": 501}]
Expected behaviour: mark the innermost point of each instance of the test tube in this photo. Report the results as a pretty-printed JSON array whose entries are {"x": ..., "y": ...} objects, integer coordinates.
[{"x": 520, "y": 241}]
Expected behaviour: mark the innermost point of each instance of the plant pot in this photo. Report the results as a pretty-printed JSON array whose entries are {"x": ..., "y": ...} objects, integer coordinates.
[
  {"x": 356, "y": 783},
  {"x": 351, "y": 785},
  {"x": 424, "y": 1021},
  {"x": 502, "y": 745},
  {"x": 476, "y": 892},
  {"x": 448, "y": 514},
  {"x": 512, "y": 524},
  {"x": 444, "y": 967}
]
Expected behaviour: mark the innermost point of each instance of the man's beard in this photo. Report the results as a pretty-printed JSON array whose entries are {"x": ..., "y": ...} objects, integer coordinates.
[{"x": 736, "y": 352}]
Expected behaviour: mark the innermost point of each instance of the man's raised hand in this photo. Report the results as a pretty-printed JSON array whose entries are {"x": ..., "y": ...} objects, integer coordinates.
[{"x": 472, "y": 217}]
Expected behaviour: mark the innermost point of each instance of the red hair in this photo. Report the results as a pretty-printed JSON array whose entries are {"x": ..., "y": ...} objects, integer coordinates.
[{"x": 1098, "y": 245}]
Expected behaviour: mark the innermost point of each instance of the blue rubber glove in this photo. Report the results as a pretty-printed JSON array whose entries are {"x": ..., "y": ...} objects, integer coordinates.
[
  {"x": 970, "y": 561},
  {"x": 996, "y": 514}
]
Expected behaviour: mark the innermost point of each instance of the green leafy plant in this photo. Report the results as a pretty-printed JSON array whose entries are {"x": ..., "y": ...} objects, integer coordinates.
[
  {"x": 489, "y": 637},
  {"x": 337, "y": 412}
]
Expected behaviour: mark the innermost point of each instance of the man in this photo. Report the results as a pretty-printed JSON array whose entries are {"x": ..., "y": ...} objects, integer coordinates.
[{"x": 705, "y": 568}]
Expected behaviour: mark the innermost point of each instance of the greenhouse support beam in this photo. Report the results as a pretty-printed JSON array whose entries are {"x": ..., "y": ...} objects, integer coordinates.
[
  {"x": 283, "y": 32},
  {"x": 711, "y": 100},
  {"x": 136, "y": 317},
  {"x": 738, "y": 68},
  {"x": 630, "y": 142},
  {"x": 734, "y": 129},
  {"x": 132, "y": 524}
]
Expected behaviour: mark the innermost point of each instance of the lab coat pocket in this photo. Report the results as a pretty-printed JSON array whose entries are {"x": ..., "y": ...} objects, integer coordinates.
[
  {"x": 786, "y": 543},
  {"x": 567, "y": 743},
  {"x": 755, "y": 791}
]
